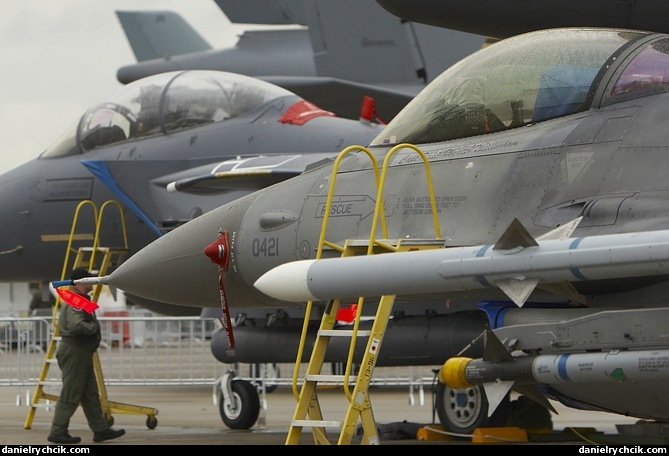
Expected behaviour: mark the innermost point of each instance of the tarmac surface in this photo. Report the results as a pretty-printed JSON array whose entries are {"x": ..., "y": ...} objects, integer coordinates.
[{"x": 187, "y": 415}]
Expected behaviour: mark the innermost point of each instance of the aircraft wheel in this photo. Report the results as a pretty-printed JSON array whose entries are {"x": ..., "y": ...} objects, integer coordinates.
[
  {"x": 464, "y": 410},
  {"x": 243, "y": 411},
  {"x": 151, "y": 422}
]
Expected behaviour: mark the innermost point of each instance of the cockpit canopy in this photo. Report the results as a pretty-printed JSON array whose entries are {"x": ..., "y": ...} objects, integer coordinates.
[
  {"x": 528, "y": 79},
  {"x": 163, "y": 104}
]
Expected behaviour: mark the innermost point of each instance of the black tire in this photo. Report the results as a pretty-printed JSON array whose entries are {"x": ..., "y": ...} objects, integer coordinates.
[
  {"x": 151, "y": 421},
  {"x": 247, "y": 409},
  {"x": 462, "y": 411}
]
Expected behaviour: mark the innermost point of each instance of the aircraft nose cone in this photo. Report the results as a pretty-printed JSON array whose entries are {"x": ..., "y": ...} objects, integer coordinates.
[{"x": 174, "y": 269}]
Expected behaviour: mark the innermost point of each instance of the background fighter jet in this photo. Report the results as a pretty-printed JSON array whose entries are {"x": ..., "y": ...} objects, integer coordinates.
[
  {"x": 336, "y": 53},
  {"x": 193, "y": 126},
  {"x": 539, "y": 164},
  {"x": 503, "y": 19}
]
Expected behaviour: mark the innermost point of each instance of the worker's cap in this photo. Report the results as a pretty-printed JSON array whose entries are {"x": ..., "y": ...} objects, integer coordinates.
[{"x": 80, "y": 273}]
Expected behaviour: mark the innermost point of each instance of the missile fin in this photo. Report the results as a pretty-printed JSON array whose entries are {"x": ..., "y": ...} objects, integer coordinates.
[
  {"x": 532, "y": 392},
  {"x": 518, "y": 290},
  {"x": 493, "y": 348},
  {"x": 496, "y": 392},
  {"x": 516, "y": 235},
  {"x": 565, "y": 289},
  {"x": 561, "y": 232}
]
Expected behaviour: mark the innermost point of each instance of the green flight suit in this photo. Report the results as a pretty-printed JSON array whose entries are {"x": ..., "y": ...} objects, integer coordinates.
[{"x": 80, "y": 338}]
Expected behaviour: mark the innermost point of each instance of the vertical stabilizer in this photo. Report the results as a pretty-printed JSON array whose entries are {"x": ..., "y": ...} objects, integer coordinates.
[
  {"x": 270, "y": 12},
  {"x": 159, "y": 34}
]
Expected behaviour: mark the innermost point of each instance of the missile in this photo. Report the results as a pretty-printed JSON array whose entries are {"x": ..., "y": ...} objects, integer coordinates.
[
  {"x": 613, "y": 366},
  {"x": 498, "y": 371},
  {"x": 525, "y": 373},
  {"x": 515, "y": 270}
]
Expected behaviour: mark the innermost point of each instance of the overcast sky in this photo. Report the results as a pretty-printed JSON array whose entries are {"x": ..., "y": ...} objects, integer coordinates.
[{"x": 59, "y": 57}]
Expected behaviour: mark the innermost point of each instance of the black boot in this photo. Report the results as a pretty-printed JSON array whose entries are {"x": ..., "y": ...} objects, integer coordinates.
[
  {"x": 108, "y": 435},
  {"x": 67, "y": 438}
]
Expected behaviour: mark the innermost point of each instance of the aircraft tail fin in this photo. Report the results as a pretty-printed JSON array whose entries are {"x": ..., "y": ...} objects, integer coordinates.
[
  {"x": 351, "y": 40},
  {"x": 357, "y": 40},
  {"x": 361, "y": 41},
  {"x": 270, "y": 12},
  {"x": 159, "y": 34}
]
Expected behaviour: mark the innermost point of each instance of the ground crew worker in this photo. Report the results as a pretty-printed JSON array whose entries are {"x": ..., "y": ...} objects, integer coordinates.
[{"x": 80, "y": 337}]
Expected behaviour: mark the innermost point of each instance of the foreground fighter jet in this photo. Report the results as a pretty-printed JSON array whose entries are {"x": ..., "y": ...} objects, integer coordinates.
[
  {"x": 232, "y": 132},
  {"x": 536, "y": 147}
]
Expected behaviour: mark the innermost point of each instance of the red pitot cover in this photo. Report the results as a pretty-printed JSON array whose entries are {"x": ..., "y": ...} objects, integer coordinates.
[{"x": 76, "y": 300}]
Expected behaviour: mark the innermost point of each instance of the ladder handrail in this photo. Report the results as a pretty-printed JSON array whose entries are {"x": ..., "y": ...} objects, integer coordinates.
[
  {"x": 98, "y": 225},
  {"x": 328, "y": 202},
  {"x": 322, "y": 242},
  {"x": 65, "y": 271},
  {"x": 379, "y": 197}
]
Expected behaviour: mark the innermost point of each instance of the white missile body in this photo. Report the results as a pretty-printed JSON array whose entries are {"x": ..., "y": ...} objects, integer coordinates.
[
  {"x": 615, "y": 366},
  {"x": 462, "y": 268}
]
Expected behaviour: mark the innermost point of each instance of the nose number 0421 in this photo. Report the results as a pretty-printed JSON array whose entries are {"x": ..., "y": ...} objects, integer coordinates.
[{"x": 265, "y": 247}]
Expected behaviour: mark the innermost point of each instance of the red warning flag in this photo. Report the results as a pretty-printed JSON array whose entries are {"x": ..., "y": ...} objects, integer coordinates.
[{"x": 76, "y": 300}]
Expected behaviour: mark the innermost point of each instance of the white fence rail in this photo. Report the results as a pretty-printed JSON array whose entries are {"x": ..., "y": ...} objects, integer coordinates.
[
  {"x": 155, "y": 351},
  {"x": 134, "y": 350}
]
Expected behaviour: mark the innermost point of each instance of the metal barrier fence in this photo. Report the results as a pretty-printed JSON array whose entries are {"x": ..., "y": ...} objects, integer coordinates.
[
  {"x": 156, "y": 351},
  {"x": 133, "y": 351}
]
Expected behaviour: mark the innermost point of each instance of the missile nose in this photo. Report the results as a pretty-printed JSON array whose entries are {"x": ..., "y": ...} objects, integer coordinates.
[
  {"x": 287, "y": 282},
  {"x": 452, "y": 373}
]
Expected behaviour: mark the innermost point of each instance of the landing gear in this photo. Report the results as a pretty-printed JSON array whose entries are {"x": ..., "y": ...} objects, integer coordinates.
[
  {"x": 151, "y": 421},
  {"x": 261, "y": 373},
  {"x": 238, "y": 404},
  {"x": 461, "y": 411}
]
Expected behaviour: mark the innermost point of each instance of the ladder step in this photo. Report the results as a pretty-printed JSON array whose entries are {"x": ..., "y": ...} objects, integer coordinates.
[
  {"x": 316, "y": 423},
  {"x": 49, "y": 382},
  {"x": 93, "y": 249},
  {"x": 343, "y": 332},
  {"x": 329, "y": 378},
  {"x": 48, "y": 397},
  {"x": 38, "y": 405}
]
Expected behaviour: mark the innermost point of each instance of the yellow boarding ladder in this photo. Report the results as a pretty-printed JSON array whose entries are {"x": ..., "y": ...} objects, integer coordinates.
[
  {"x": 359, "y": 405},
  {"x": 96, "y": 259}
]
